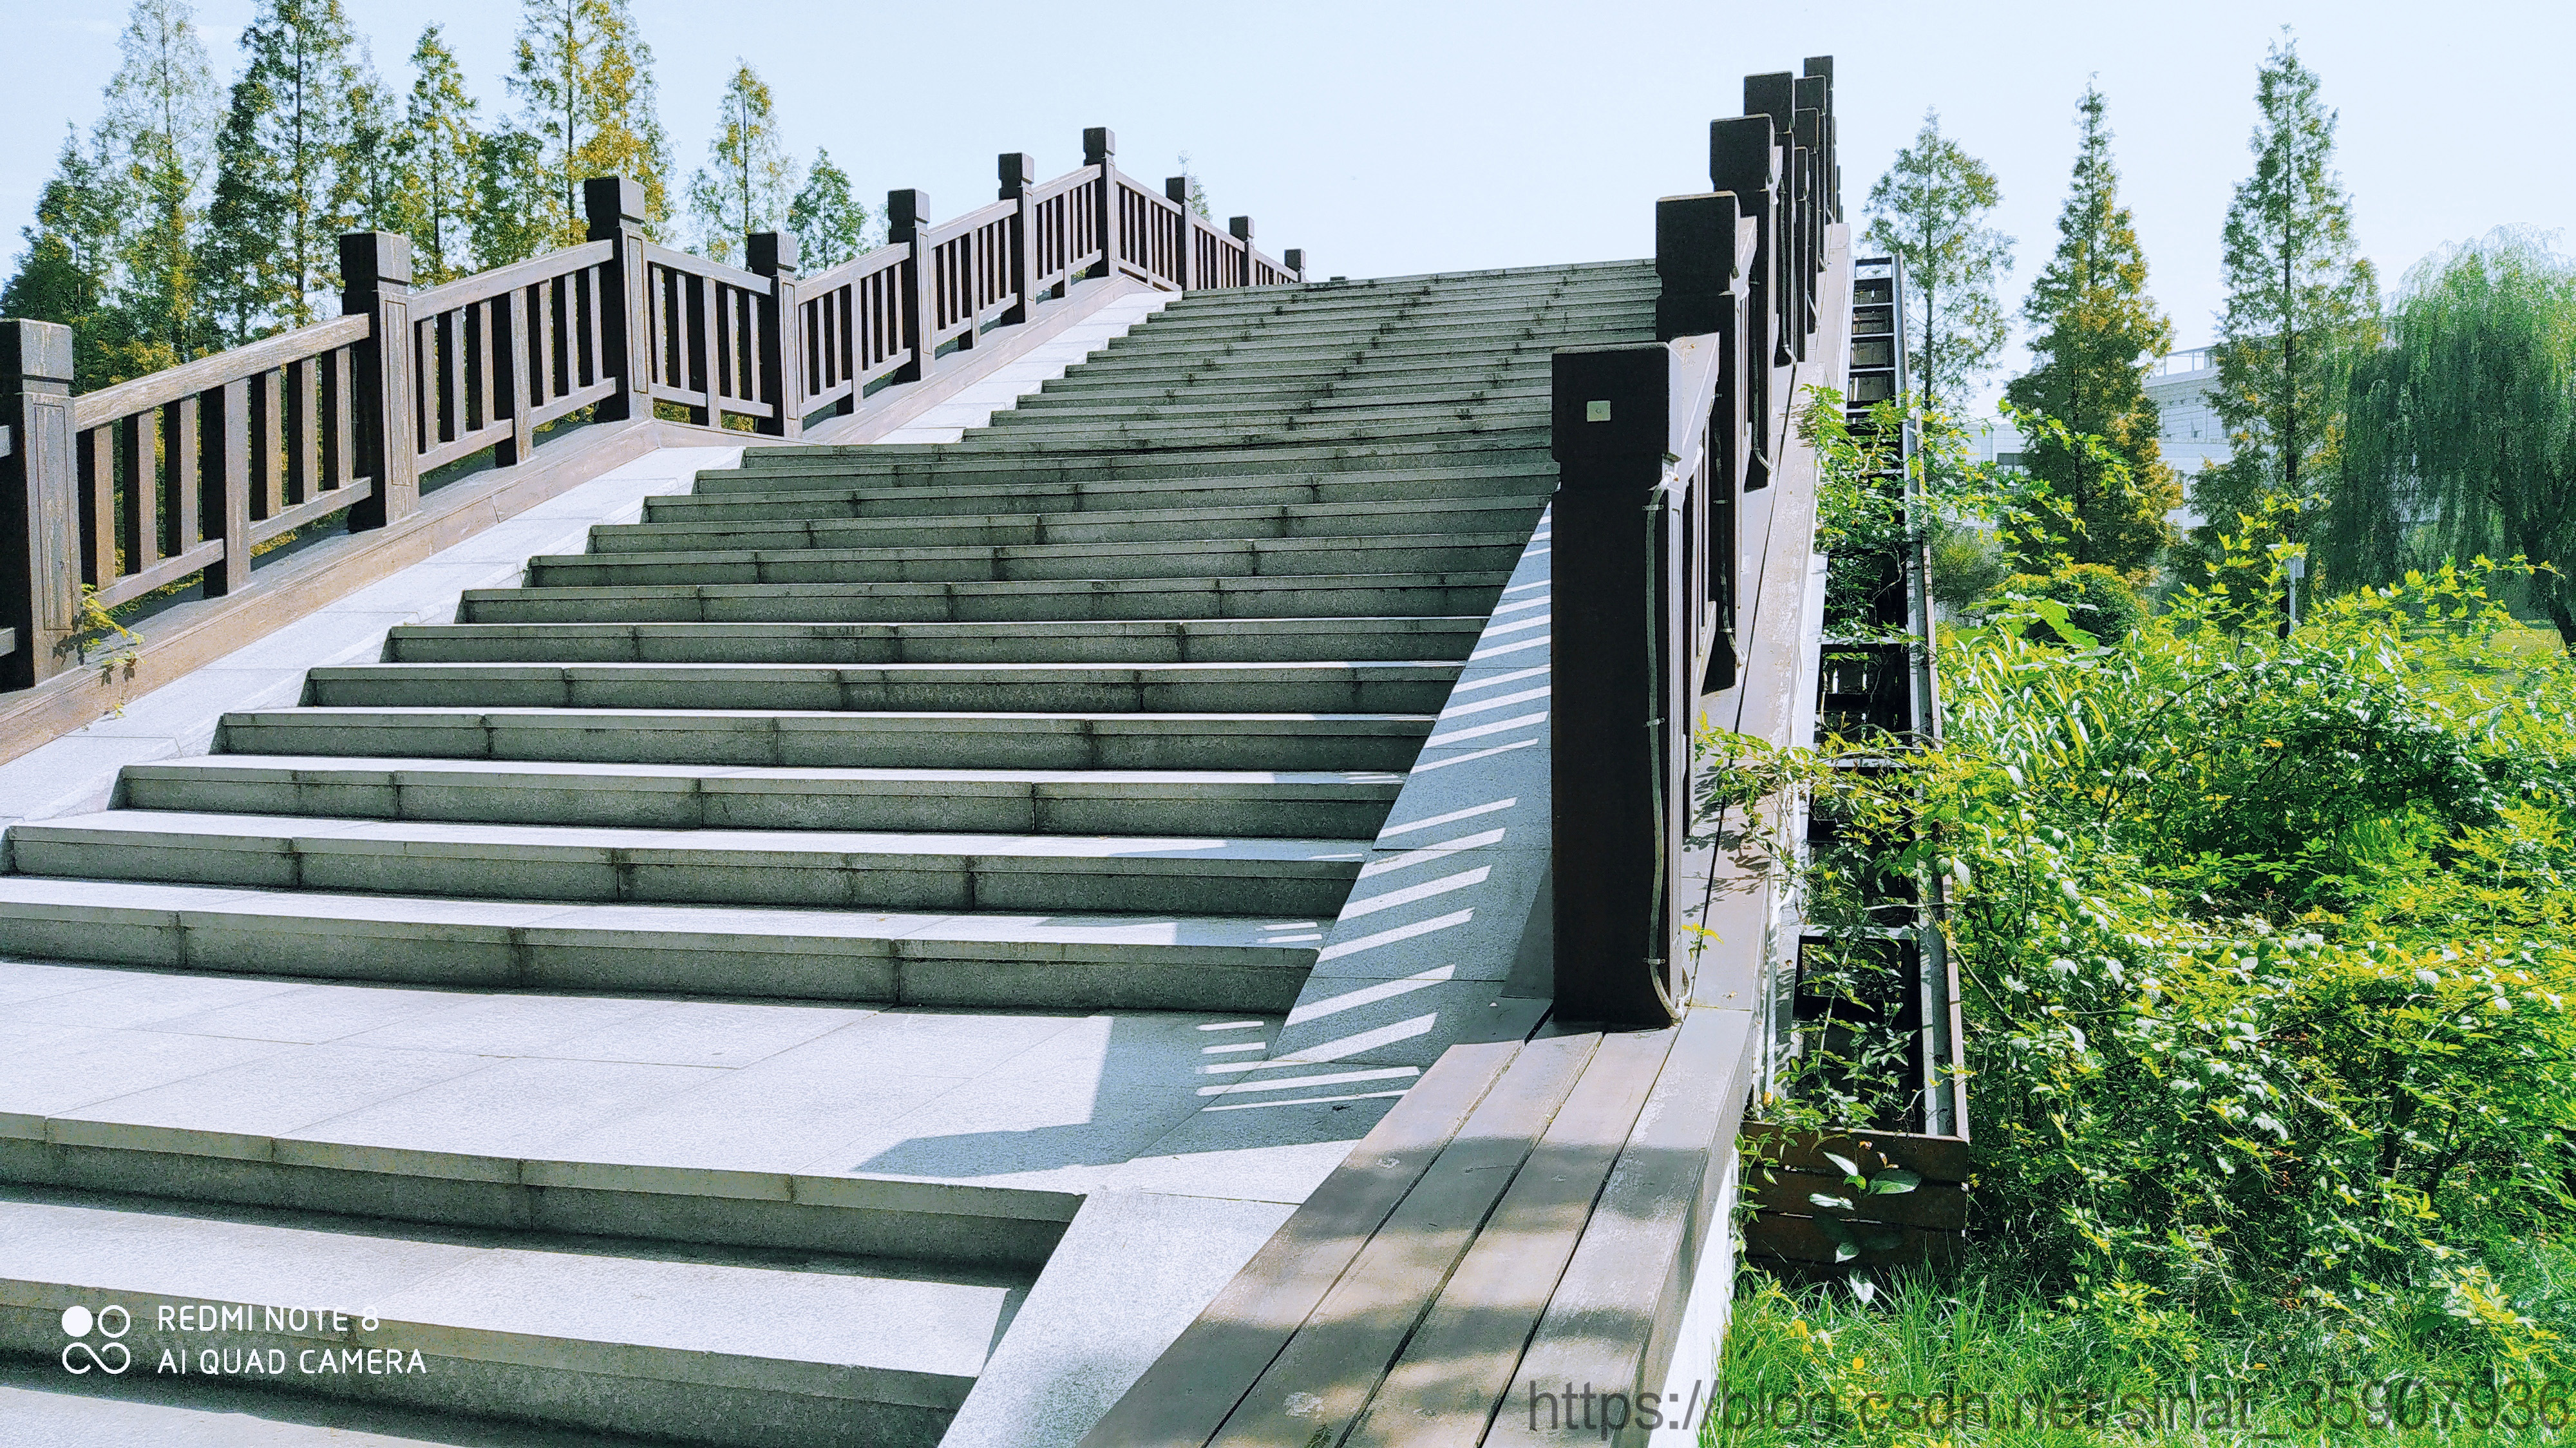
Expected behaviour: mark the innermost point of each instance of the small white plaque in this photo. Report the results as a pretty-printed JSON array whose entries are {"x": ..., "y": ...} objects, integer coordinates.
[{"x": 1596, "y": 411}]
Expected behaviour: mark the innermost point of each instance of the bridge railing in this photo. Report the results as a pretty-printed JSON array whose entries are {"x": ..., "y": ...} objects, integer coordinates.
[
  {"x": 1662, "y": 451},
  {"x": 185, "y": 473}
]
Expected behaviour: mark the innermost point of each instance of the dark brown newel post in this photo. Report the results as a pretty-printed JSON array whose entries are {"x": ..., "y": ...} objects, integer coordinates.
[
  {"x": 1241, "y": 227},
  {"x": 39, "y": 514},
  {"x": 1619, "y": 716},
  {"x": 908, "y": 221},
  {"x": 615, "y": 209},
  {"x": 1294, "y": 258},
  {"x": 1100, "y": 148},
  {"x": 1176, "y": 189},
  {"x": 375, "y": 282},
  {"x": 1700, "y": 277},
  {"x": 1744, "y": 160},
  {"x": 782, "y": 378},
  {"x": 1019, "y": 169}
]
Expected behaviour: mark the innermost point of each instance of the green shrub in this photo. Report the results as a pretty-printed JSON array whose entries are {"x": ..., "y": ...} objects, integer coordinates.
[
  {"x": 2098, "y": 601},
  {"x": 1967, "y": 565}
]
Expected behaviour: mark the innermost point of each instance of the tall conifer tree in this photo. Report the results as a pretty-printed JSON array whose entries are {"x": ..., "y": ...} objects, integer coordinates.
[
  {"x": 1929, "y": 211},
  {"x": 287, "y": 176},
  {"x": 158, "y": 125},
  {"x": 2097, "y": 329},
  {"x": 748, "y": 181},
  {"x": 69, "y": 262},
  {"x": 830, "y": 224},
  {"x": 584, "y": 79},
  {"x": 442, "y": 162},
  {"x": 2299, "y": 294}
]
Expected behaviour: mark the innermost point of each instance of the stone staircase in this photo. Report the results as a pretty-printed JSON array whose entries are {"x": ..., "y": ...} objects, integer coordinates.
[{"x": 1098, "y": 710}]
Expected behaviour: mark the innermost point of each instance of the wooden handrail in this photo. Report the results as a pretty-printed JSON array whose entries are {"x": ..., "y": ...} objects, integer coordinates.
[
  {"x": 1658, "y": 447},
  {"x": 106, "y": 405},
  {"x": 177, "y": 474}
]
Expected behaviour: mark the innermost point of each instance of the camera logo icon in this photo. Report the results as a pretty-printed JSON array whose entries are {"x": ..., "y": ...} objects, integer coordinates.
[{"x": 107, "y": 1355}]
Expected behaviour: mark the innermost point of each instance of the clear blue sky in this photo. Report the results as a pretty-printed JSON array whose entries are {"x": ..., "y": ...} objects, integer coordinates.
[{"x": 1401, "y": 137}]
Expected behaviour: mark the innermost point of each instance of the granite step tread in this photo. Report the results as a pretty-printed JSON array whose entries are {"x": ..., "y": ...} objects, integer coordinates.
[
  {"x": 801, "y": 869},
  {"x": 808, "y": 738},
  {"x": 1054, "y": 960},
  {"x": 1102, "y": 525},
  {"x": 1030, "y": 641},
  {"x": 1180, "y": 557},
  {"x": 1362, "y": 687},
  {"x": 1300, "y": 595}
]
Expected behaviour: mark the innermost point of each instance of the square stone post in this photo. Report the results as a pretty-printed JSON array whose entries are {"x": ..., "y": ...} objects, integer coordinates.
[
  {"x": 1018, "y": 171},
  {"x": 1100, "y": 148}
]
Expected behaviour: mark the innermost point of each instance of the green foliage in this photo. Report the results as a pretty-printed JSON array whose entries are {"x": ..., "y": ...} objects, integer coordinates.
[
  {"x": 2468, "y": 415},
  {"x": 2225, "y": 1040},
  {"x": 1968, "y": 563},
  {"x": 748, "y": 180},
  {"x": 65, "y": 272},
  {"x": 159, "y": 124},
  {"x": 442, "y": 162},
  {"x": 291, "y": 172},
  {"x": 584, "y": 78},
  {"x": 831, "y": 225},
  {"x": 2300, "y": 296},
  {"x": 2471, "y": 1357},
  {"x": 2095, "y": 324},
  {"x": 1930, "y": 211},
  {"x": 2099, "y": 604}
]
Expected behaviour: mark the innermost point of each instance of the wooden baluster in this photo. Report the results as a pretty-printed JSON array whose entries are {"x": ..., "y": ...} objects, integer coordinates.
[
  {"x": 98, "y": 505},
  {"x": 268, "y": 444},
  {"x": 1100, "y": 148},
  {"x": 137, "y": 520},
  {"x": 1020, "y": 262},
  {"x": 39, "y": 508},
  {"x": 908, "y": 220},
  {"x": 780, "y": 364},
  {"x": 1241, "y": 226},
  {"x": 1609, "y": 411},
  {"x": 180, "y": 449},
  {"x": 375, "y": 281},
  {"x": 615, "y": 209},
  {"x": 227, "y": 480},
  {"x": 515, "y": 373}
]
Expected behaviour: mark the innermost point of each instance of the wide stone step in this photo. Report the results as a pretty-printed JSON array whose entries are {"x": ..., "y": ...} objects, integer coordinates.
[
  {"x": 1152, "y": 641},
  {"x": 1392, "y": 486},
  {"x": 1332, "y": 804},
  {"x": 1508, "y": 372},
  {"x": 1162, "y": 525},
  {"x": 1514, "y": 428},
  {"x": 889, "y": 465},
  {"x": 1327, "y": 595},
  {"x": 1049, "y": 961},
  {"x": 706, "y": 1345},
  {"x": 1041, "y": 562},
  {"x": 1270, "y": 688},
  {"x": 796, "y": 869},
  {"x": 810, "y": 739},
  {"x": 1312, "y": 409}
]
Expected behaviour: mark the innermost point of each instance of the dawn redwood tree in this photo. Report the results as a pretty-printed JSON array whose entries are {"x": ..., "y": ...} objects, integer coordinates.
[
  {"x": 2299, "y": 296},
  {"x": 749, "y": 180},
  {"x": 2097, "y": 331},
  {"x": 159, "y": 126},
  {"x": 831, "y": 225},
  {"x": 2466, "y": 418},
  {"x": 287, "y": 172},
  {"x": 584, "y": 79},
  {"x": 442, "y": 161},
  {"x": 1929, "y": 211}
]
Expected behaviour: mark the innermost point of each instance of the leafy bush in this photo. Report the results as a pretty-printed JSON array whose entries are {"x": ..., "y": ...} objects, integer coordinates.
[
  {"x": 2098, "y": 601},
  {"x": 2271, "y": 987}
]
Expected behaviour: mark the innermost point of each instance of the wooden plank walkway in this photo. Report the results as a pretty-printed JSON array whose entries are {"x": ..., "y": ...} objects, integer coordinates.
[{"x": 1530, "y": 1213}]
